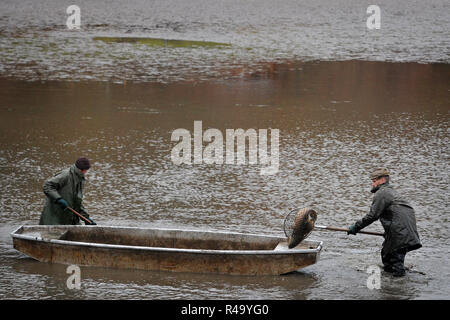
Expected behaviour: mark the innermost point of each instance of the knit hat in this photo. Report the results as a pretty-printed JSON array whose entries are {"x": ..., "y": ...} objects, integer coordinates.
[{"x": 83, "y": 163}]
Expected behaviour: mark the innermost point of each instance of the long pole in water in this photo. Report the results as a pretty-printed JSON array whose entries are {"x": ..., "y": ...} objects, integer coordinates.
[{"x": 346, "y": 230}]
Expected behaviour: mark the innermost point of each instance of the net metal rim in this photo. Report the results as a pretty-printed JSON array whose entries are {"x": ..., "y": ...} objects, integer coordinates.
[{"x": 291, "y": 215}]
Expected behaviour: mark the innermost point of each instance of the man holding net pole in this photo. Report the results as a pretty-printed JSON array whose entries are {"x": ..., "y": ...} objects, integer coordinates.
[
  {"x": 398, "y": 220},
  {"x": 64, "y": 196}
]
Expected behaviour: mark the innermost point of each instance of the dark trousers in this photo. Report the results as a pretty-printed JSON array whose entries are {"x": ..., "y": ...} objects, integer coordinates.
[{"x": 394, "y": 261}]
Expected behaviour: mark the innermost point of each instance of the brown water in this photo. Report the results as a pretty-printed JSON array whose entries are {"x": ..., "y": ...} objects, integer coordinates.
[
  {"x": 64, "y": 94},
  {"x": 337, "y": 120}
]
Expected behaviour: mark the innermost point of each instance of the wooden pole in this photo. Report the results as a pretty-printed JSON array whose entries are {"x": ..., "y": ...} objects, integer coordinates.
[
  {"x": 79, "y": 215},
  {"x": 346, "y": 230}
]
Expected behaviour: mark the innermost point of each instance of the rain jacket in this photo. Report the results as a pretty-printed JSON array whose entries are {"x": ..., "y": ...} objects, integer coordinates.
[
  {"x": 67, "y": 184},
  {"x": 397, "y": 218}
]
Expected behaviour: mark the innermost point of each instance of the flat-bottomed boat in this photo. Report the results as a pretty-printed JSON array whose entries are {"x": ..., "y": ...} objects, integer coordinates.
[{"x": 165, "y": 249}]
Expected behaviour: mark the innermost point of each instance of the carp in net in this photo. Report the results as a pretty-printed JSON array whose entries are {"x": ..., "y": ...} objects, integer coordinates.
[{"x": 298, "y": 224}]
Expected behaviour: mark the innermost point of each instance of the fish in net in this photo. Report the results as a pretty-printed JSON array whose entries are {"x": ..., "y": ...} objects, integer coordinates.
[{"x": 298, "y": 224}]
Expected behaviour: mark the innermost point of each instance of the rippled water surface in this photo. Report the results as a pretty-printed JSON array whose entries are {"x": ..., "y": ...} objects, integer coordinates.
[
  {"x": 36, "y": 43},
  {"x": 330, "y": 136},
  {"x": 63, "y": 94}
]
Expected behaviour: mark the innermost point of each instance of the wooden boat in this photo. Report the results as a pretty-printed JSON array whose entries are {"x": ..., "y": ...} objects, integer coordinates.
[{"x": 164, "y": 249}]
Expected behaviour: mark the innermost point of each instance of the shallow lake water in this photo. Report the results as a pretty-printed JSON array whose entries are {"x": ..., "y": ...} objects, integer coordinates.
[{"x": 386, "y": 102}]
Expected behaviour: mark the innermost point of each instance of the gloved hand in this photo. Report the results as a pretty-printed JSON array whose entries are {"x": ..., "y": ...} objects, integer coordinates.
[
  {"x": 90, "y": 224},
  {"x": 62, "y": 203},
  {"x": 352, "y": 229}
]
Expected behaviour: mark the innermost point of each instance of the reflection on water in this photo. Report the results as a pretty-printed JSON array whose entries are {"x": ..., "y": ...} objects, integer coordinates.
[
  {"x": 336, "y": 120},
  {"x": 98, "y": 283}
]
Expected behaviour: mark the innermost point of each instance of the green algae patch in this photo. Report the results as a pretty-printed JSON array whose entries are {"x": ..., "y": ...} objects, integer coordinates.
[{"x": 157, "y": 42}]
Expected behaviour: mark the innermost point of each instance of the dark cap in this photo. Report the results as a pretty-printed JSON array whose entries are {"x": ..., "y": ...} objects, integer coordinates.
[{"x": 83, "y": 163}]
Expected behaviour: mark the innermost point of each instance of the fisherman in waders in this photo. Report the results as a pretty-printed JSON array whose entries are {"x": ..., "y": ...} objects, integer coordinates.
[
  {"x": 398, "y": 220},
  {"x": 65, "y": 190}
]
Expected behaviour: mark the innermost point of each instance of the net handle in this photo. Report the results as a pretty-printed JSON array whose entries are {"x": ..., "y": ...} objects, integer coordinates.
[{"x": 346, "y": 230}]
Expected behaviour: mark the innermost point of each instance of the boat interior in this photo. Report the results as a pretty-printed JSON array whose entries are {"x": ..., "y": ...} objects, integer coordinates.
[{"x": 166, "y": 238}]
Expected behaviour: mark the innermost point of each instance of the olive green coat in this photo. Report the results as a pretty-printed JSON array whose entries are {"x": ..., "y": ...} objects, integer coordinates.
[
  {"x": 397, "y": 218},
  {"x": 67, "y": 184}
]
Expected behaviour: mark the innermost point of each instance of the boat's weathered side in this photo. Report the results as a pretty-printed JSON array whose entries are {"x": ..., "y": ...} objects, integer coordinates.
[{"x": 49, "y": 245}]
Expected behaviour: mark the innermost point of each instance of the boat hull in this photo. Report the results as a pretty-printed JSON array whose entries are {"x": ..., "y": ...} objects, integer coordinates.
[{"x": 178, "y": 250}]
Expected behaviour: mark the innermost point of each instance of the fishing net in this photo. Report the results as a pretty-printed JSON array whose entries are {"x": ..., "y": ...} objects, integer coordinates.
[{"x": 298, "y": 224}]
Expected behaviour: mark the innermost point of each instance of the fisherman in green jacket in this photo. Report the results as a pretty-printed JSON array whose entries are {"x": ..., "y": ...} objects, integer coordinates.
[
  {"x": 398, "y": 220},
  {"x": 64, "y": 190}
]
